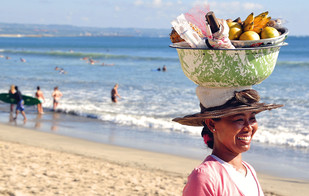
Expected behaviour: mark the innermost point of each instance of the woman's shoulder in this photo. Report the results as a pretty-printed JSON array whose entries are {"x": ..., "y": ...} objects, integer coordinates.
[
  {"x": 206, "y": 179},
  {"x": 209, "y": 167}
]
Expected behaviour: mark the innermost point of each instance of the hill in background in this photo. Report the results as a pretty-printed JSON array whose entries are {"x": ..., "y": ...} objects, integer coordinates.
[{"x": 34, "y": 30}]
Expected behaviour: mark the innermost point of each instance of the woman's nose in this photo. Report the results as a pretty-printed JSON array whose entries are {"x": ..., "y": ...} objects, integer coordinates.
[{"x": 248, "y": 125}]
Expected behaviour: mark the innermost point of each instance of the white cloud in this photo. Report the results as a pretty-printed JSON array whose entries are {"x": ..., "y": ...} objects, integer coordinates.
[
  {"x": 117, "y": 8},
  {"x": 157, "y": 3},
  {"x": 138, "y": 2},
  {"x": 228, "y": 9},
  {"x": 86, "y": 19},
  {"x": 252, "y": 6},
  {"x": 230, "y": 6}
]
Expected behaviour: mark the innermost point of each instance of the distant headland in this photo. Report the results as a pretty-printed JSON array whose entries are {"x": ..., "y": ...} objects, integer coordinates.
[{"x": 37, "y": 30}]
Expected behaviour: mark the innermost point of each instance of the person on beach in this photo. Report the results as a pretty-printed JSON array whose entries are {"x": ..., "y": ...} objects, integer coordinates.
[
  {"x": 41, "y": 98},
  {"x": 228, "y": 131},
  {"x": 11, "y": 93},
  {"x": 19, "y": 105},
  {"x": 114, "y": 94},
  {"x": 56, "y": 96}
]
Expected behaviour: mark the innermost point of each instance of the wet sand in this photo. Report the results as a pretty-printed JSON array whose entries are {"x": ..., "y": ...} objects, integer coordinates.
[{"x": 40, "y": 163}]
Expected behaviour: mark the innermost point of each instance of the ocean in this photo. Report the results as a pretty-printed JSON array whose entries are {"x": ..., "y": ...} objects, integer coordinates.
[{"x": 150, "y": 99}]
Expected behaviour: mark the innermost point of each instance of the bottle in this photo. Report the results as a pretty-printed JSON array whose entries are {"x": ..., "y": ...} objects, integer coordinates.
[{"x": 213, "y": 24}]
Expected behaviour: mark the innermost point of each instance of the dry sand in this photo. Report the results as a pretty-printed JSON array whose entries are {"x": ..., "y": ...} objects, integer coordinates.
[{"x": 40, "y": 163}]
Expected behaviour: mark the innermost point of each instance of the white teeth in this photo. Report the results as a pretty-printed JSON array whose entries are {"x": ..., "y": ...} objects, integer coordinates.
[{"x": 244, "y": 138}]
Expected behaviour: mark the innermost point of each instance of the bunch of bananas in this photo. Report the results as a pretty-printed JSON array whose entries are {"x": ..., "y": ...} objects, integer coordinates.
[
  {"x": 251, "y": 28},
  {"x": 256, "y": 23}
]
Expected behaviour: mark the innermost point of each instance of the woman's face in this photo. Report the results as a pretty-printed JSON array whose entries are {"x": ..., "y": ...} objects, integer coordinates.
[{"x": 234, "y": 133}]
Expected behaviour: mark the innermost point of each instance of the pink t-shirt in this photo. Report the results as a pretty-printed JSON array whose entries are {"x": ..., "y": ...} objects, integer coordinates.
[{"x": 211, "y": 178}]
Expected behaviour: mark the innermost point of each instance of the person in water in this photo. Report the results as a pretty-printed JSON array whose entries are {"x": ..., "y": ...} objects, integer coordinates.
[
  {"x": 19, "y": 105},
  {"x": 11, "y": 93},
  {"x": 41, "y": 98},
  {"x": 114, "y": 94},
  {"x": 228, "y": 131},
  {"x": 56, "y": 97}
]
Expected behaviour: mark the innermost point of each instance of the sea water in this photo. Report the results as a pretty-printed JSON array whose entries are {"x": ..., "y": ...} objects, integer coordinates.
[{"x": 150, "y": 99}]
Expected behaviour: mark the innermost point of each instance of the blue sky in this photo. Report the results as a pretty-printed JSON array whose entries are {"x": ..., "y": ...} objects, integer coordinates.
[{"x": 146, "y": 13}]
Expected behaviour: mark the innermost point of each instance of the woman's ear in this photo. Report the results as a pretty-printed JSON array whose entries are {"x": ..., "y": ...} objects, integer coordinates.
[{"x": 210, "y": 124}]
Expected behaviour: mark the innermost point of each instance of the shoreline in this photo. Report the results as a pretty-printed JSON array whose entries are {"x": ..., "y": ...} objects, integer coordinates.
[
  {"x": 171, "y": 168},
  {"x": 292, "y": 163}
]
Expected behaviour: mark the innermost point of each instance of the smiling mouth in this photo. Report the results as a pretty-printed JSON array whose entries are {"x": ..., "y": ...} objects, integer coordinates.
[{"x": 248, "y": 138}]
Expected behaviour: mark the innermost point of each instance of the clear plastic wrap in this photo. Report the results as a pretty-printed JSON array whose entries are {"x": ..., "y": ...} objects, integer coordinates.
[{"x": 185, "y": 31}]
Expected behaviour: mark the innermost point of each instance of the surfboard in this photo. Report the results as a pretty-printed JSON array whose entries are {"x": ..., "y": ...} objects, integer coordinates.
[{"x": 28, "y": 100}]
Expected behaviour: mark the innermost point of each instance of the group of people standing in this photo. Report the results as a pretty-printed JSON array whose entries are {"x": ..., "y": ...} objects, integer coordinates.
[
  {"x": 16, "y": 94},
  {"x": 57, "y": 94},
  {"x": 56, "y": 97}
]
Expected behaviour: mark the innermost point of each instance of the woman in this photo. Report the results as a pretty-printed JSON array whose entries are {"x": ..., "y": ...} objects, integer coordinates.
[
  {"x": 56, "y": 97},
  {"x": 228, "y": 131}
]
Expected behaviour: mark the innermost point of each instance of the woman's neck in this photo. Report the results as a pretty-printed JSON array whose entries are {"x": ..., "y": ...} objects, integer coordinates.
[{"x": 232, "y": 158}]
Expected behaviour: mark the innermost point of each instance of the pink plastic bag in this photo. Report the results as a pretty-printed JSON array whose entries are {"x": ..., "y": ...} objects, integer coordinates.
[{"x": 196, "y": 16}]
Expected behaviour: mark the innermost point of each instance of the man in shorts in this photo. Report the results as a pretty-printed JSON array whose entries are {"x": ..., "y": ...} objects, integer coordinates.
[
  {"x": 19, "y": 106},
  {"x": 41, "y": 98}
]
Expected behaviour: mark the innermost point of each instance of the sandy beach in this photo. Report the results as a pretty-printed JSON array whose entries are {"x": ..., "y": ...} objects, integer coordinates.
[{"x": 40, "y": 163}]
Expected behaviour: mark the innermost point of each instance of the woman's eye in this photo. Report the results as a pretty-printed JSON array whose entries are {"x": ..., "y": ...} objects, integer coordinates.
[{"x": 252, "y": 119}]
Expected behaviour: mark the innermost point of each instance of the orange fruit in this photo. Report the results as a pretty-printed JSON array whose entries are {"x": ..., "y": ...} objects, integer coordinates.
[
  {"x": 234, "y": 33},
  {"x": 269, "y": 32},
  {"x": 249, "y": 35}
]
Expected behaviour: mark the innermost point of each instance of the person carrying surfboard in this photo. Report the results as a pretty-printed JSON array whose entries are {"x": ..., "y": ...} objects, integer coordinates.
[
  {"x": 12, "y": 92},
  {"x": 19, "y": 106}
]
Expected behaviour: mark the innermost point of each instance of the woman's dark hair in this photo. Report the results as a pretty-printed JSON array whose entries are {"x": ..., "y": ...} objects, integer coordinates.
[{"x": 208, "y": 135}]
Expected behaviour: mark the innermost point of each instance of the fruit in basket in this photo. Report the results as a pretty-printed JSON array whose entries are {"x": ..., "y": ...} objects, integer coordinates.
[
  {"x": 269, "y": 32},
  {"x": 249, "y": 27},
  {"x": 229, "y": 20},
  {"x": 260, "y": 17},
  {"x": 262, "y": 24},
  {"x": 249, "y": 22},
  {"x": 253, "y": 24},
  {"x": 234, "y": 24},
  {"x": 275, "y": 23},
  {"x": 235, "y": 30},
  {"x": 238, "y": 20},
  {"x": 249, "y": 35},
  {"x": 234, "y": 33}
]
